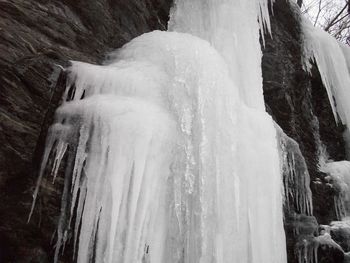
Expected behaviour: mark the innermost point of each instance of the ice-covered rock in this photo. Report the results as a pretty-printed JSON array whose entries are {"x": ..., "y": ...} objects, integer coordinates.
[
  {"x": 339, "y": 178},
  {"x": 340, "y": 232},
  {"x": 296, "y": 178},
  {"x": 170, "y": 153}
]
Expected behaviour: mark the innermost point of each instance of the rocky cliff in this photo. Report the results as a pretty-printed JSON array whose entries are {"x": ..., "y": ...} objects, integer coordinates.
[
  {"x": 38, "y": 38},
  {"x": 299, "y": 104}
]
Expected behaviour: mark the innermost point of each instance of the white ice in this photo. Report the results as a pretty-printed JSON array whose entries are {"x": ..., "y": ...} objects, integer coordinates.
[
  {"x": 296, "y": 178},
  {"x": 339, "y": 173},
  {"x": 332, "y": 59},
  {"x": 171, "y": 155},
  {"x": 233, "y": 28}
]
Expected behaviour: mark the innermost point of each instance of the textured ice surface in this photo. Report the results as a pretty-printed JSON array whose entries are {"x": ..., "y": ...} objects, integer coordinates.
[
  {"x": 332, "y": 59},
  {"x": 171, "y": 155},
  {"x": 296, "y": 178},
  {"x": 340, "y": 179},
  {"x": 232, "y": 28},
  {"x": 165, "y": 162}
]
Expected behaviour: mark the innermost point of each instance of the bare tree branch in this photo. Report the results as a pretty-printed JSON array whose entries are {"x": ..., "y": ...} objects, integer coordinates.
[
  {"x": 319, "y": 12},
  {"x": 332, "y": 16},
  {"x": 336, "y": 17}
]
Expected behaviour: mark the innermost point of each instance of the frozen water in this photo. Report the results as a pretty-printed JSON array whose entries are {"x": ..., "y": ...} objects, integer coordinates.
[
  {"x": 296, "y": 178},
  {"x": 340, "y": 178},
  {"x": 171, "y": 156},
  {"x": 332, "y": 59},
  {"x": 163, "y": 121},
  {"x": 307, "y": 248},
  {"x": 233, "y": 29}
]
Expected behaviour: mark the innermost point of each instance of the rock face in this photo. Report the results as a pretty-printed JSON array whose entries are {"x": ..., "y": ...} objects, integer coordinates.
[
  {"x": 35, "y": 38},
  {"x": 299, "y": 104},
  {"x": 38, "y": 37}
]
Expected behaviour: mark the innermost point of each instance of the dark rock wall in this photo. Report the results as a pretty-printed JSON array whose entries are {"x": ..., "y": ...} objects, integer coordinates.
[
  {"x": 298, "y": 102},
  {"x": 35, "y": 37},
  {"x": 38, "y": 36}
]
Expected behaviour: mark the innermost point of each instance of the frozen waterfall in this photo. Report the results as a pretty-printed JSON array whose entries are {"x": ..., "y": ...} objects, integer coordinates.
[{"x": 169, "y": 153}]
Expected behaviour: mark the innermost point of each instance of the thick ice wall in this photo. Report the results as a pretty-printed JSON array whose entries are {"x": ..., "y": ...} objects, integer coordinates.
[
  {"x": 260, "y": 188},
  {"x": 346, "y": 51},
  {"x": 255, "y": 130},
  {"x": 139, "y": 79},
  {"x": 162, "y": 120},
  {"x": 191, "y": 95},
  {"x": 232, "y": 27},
  {"x": 332, "y": 59}
]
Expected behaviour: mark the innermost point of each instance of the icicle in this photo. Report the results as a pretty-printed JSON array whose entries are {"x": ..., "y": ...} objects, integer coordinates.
[
  {"x": 167, "y": 155},
  {"x": 306, "y": 250},
  {"x": 332, "y": 60},
  {"x": 339, "y": 173},
  {"x": 296, "y": 178},
  {"x": 56, "y": 142}
]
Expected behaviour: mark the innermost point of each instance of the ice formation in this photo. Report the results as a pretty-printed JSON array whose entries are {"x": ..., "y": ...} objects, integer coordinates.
[
  {"x": 307, "y": 249},
  {"x": 296, "y": 178},
  {"x": 339, "y": 173},
  {"x": 339, "y": 225},
  {"x": 232, "y": 28},
  {"x": 332, "y": 59},
  {"x": 170, "y": 155}
]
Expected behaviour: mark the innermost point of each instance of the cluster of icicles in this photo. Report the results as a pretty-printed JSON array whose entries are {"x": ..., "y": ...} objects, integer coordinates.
[
  {"x": 169, "y": 153},
  {"x": 160, "y": 154},
  {"x": 339, "y": 177},
  {"x": 333, "y": 62},
  {"x": 295, "y": 174}
]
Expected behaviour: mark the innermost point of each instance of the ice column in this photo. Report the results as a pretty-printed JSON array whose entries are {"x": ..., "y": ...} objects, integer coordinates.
[
  {"x": 233, "y": 28},
  {"x": 170, "y": 154}
]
